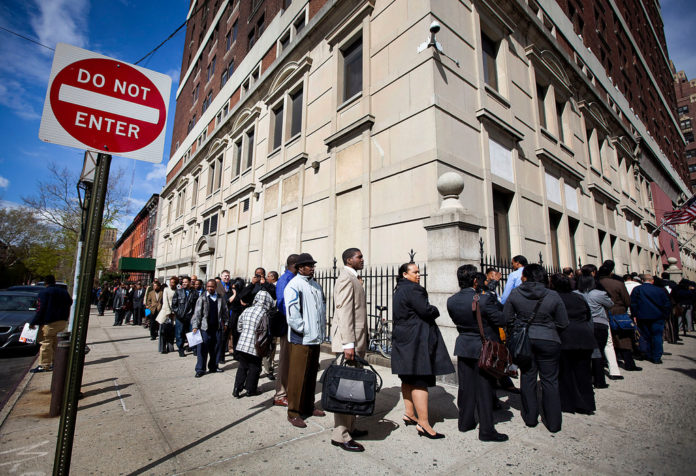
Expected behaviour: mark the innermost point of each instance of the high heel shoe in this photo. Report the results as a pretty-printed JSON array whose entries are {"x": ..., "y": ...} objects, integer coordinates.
[
  {"x": 408, "y": 421},
  {"x": 422, "y": 432}
]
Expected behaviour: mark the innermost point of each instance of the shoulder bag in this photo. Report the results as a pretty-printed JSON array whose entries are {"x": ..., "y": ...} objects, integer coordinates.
[
  {"x": 494, "y": 359},
  {"x": 518, "y": 340},
  {"x": 348, "y": 389},
  {"x": 263, "y": 338},
  {"x": 620, "y": 322}
]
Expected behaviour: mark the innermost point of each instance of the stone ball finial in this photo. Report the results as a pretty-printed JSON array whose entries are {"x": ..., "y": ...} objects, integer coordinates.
[
  {"x": 450, "y": 185},
  {"x": 672, "y": 260}
]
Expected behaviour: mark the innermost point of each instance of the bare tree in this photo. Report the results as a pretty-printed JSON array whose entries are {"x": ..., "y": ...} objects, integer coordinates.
[{"x": 19, "y": 232}]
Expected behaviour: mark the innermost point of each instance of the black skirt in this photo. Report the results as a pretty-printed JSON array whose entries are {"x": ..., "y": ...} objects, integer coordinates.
[{"x": 418, "y": 380}]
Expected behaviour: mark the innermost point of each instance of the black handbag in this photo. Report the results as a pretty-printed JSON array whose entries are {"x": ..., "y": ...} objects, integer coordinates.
[
  {"x": 518, "y": 340},
  {"x": 348, "y": 389}
]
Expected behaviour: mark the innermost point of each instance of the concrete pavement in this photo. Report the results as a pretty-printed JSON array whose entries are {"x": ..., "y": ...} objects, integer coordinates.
[{"x": 144, "y": 413}]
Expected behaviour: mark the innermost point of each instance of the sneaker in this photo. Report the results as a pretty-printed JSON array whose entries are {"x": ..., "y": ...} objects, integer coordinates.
[{"x": 39, "y": 368}]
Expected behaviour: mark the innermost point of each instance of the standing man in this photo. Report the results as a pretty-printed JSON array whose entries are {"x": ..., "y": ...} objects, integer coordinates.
[
  {"x": 130, "y": 292},
  {"x": 229, "y": 297},
  {"x": 267, "y": 361},
  {"x": 154, "y": 304},
  {"x": 651, "y": 306},
  {"x": 279, "y": 327},
  {"x": 138, "y": 304},
  {"x": 52, "y": 312},
  {"x": 258, "y": 283},
  {"x": 349, "y": 337},
  {"x": 305, "y": 308},
  {"x": 184, "y": 306},
  {"x": 515, "y": 278},
  {"x": 211, "y": 318}
]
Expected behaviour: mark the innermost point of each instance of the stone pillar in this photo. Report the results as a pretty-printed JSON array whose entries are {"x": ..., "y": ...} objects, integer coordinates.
[
  {"x": 675, "y": 274},
  {"x": 453, "y": 240}
]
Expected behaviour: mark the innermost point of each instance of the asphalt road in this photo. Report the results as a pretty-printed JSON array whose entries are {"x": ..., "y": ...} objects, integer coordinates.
[{"x": 14, "y": 364}]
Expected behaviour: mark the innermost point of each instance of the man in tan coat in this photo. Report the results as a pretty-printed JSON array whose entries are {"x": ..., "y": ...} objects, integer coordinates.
[{"x": 349, "y": 336}]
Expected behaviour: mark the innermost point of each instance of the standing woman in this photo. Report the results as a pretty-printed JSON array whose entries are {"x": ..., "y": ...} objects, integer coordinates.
[
  {"x": 418, "y": 350},
  {"x": 249, "y": 361},
  {"x": 600, "y": 303},
  {"x": 476, "y": 391},
  {"x": 532, "y": 300},
  {"x": 577, "y": 344}
]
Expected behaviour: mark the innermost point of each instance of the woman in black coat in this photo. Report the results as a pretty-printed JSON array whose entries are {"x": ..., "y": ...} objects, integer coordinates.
[
  {"x": 545, "y": 342},
  {"x": 476, "y": 387},
  {"x": 577, "y": 343},
  {"x": 418, "y": 350}
]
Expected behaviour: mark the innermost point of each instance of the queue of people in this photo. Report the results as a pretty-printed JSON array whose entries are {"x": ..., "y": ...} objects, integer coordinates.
[{"x": 582, "y": 326}]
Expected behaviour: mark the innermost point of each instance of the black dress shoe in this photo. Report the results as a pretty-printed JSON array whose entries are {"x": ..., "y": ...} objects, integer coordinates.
[
  {"x": 182, "y": 353},
  {"x": 658, "y": 361},
  {"x": 253, "y": 394},
  {"x": 218, "y": 370},
  {"x": 199, "y": 374},
  {"x": 615, "y": 377},
  {"x": 358, "y": 433},
  {"x": 495, "y": 437},
  {"x": 351, "y": 445},
  {"x": 635, "y": 368},
  {"x": 235, "y": 393},
  {"x": 601, "y": 385},
  {"x": 422, "y": 432}
]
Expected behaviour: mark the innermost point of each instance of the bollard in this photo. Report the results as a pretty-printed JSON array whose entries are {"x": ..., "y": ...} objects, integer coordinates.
[{"x": 60, "y": 366}]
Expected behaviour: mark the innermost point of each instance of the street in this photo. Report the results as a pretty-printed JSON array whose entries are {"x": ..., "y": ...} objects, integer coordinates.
[
  {"x": 14, "y": 364},
  {"x": 144, "y": 413}
]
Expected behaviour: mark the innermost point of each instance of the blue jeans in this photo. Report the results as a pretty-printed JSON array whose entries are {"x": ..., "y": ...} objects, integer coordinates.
[
  {"x": 650, "y": 343},
  {"x": 180, "y": 330}
]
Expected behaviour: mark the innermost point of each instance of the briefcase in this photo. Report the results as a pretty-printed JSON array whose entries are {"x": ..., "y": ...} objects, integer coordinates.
[{"x": 350, "y": 390}]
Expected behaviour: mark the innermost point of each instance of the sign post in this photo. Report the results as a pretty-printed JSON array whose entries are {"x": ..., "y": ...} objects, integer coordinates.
[
  {"x": 104, "y": 105},
  {"x": 76, "y": 358}
]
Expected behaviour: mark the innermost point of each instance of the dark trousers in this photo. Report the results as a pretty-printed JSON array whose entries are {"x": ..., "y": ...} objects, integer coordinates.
[
  {"x": 248, "y": 372},
  {"x": 302, "y": 379},
  {"x": 575, "y": 381},
  {"x": 118, "y": 316},
  {"x": 166, "y": 338},
  {"x": 207, "y": 350},
  {"x": 627, "y": 356},
  {"x": 180, "y": 330},
  {"x": 138, "y": 312},
  {"x": 475, "y": 395},
  {"x": 650, "y": 344},
  {"x": 101, "y": 305},
  {"x": 222, "y": 348},
  {"x": 545, "y": 365},
  {"x": 601, "y": 333},
  {"x": 128, "y": 316},
  {"x": 154, "y": 326}
]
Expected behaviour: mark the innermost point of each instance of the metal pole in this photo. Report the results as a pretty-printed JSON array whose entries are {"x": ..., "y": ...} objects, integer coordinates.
[
  {"x": 76, "y": 279},
  {"x": 76, "y": 358}
]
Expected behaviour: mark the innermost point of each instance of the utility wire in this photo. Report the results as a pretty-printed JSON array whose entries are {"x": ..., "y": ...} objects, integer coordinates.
[
  {"x": 26, "y": 38},
  {"x": 204, "y": 3}
]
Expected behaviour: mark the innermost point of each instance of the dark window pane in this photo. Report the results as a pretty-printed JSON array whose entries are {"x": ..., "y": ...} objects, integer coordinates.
[
  {"x": 250, "y": 149},
  {"x": 213, "y": 223},
  {"x": 490, "y": 68},
  {"x": 299, "y": 24},
  {"x": 237, "y": 157},
  {"x": 352, "y": 69},
  {"x": 296, "y": 120},
  {"x": 234, "y": 30},
  {"x": 277, "y": 127},
  {"x": 206, "y": 226},
  {"x": 541, "y": 95}
]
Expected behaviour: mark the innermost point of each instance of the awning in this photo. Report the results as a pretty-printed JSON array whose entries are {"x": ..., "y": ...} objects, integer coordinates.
[{"x": 136, "y": 264}]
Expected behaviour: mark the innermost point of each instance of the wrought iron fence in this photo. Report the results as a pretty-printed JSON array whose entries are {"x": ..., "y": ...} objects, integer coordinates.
[
  {"x": 504, "y": 266},
  {"x": 379, "y": 283}
]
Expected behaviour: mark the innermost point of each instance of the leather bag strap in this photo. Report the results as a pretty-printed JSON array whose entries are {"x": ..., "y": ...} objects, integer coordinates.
[{"x": 476, "y": 307}]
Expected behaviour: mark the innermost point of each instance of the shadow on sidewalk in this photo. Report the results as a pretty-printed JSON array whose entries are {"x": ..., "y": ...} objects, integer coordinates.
[
  {"x": 108, "y": 400},
  {"x": 104, "y": 360},
  {"x": 118, "y": 340},
  {"x": 688, "y": 372},
  {"x": 110, "y": 388},
  {"x": 193, "y": 444}
]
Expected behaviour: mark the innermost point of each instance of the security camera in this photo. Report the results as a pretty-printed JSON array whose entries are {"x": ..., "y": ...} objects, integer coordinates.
[{"x": 434, "y": 27}]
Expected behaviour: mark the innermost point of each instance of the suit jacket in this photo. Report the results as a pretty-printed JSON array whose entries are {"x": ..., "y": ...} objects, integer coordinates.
[
  {"x": 350, "y": 314},
  {"x": 468, "y": 343},
  {"x": 200, "y": 315},
  {"x": 154, "y": 301},
  {"x": 138, "y": 298},
  {"x": 183, "y": 305}
]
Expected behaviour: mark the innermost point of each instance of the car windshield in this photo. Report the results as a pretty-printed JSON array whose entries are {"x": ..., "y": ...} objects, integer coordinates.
[{"x": 17, "y": 303}]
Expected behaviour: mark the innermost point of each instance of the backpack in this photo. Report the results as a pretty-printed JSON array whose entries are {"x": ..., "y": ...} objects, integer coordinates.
[{"x": 263, "y": 338}]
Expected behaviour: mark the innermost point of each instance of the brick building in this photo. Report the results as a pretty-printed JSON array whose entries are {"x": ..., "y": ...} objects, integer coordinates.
[
  {"x": 314, "y": 125},
  {"x": 686, "y": 110},
  {"x": 134, "y": 251}
]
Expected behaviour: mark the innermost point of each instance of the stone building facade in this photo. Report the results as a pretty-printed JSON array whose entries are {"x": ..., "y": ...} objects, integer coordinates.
[
  {"x": 317, "y": 125},
  {"x": 686, "y": 110}
]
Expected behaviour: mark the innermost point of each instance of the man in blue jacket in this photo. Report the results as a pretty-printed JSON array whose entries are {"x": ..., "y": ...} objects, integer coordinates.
[
  {"x": 52, "y": 314},
  {"x": 281, "y": 395},
  {"x": 650, "y": 306}
]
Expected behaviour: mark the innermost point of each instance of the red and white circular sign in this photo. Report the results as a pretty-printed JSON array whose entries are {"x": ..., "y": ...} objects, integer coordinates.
[{"x": 108, "y": 105}]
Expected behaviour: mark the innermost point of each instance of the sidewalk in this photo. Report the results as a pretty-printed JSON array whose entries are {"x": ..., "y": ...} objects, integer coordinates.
[{"x": 144, "y": 413}]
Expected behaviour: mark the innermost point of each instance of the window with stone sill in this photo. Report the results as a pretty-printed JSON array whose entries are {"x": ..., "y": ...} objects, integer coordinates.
[
  {"x": 351, "y": 57},
  {"x": 489, "y": 55}
]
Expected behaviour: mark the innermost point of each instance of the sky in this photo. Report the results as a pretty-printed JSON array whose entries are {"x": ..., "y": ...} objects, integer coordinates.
[
  {"x": 127, "y": 30},
  {"x": 122, "y": 29}
]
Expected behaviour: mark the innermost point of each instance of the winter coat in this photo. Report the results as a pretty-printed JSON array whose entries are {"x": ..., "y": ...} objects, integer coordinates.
[
  {"x": 53, "y": 306},
  {"x": 168, "y": 308},
  {"x": 580, "y": 331},
  {"x": 550, "y": 316},
  {"x": 200, "y": 315},
  {"x": 417, "y": 344},
  {"x": 616, "y": 289},
  {"x": 468, "y": 343},
  {"x": 305, "y": 308},
  {"x": 650, "y": 302},
  {"x": 254, "y": 316}
]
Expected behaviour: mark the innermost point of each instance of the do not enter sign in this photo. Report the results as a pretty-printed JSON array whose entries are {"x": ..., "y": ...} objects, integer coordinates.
[{"x": 102, "y": 104}]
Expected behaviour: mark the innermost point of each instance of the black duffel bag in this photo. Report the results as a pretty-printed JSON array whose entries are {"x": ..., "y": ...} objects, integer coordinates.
[
  {"x": 348, "y": 389},
  {"x": 277, "y": 323}
]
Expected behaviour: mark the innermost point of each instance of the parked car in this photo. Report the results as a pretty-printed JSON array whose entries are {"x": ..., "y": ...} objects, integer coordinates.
[
  {"x": 35, "y": 288},
  {"x": 16, "y": 309}
]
